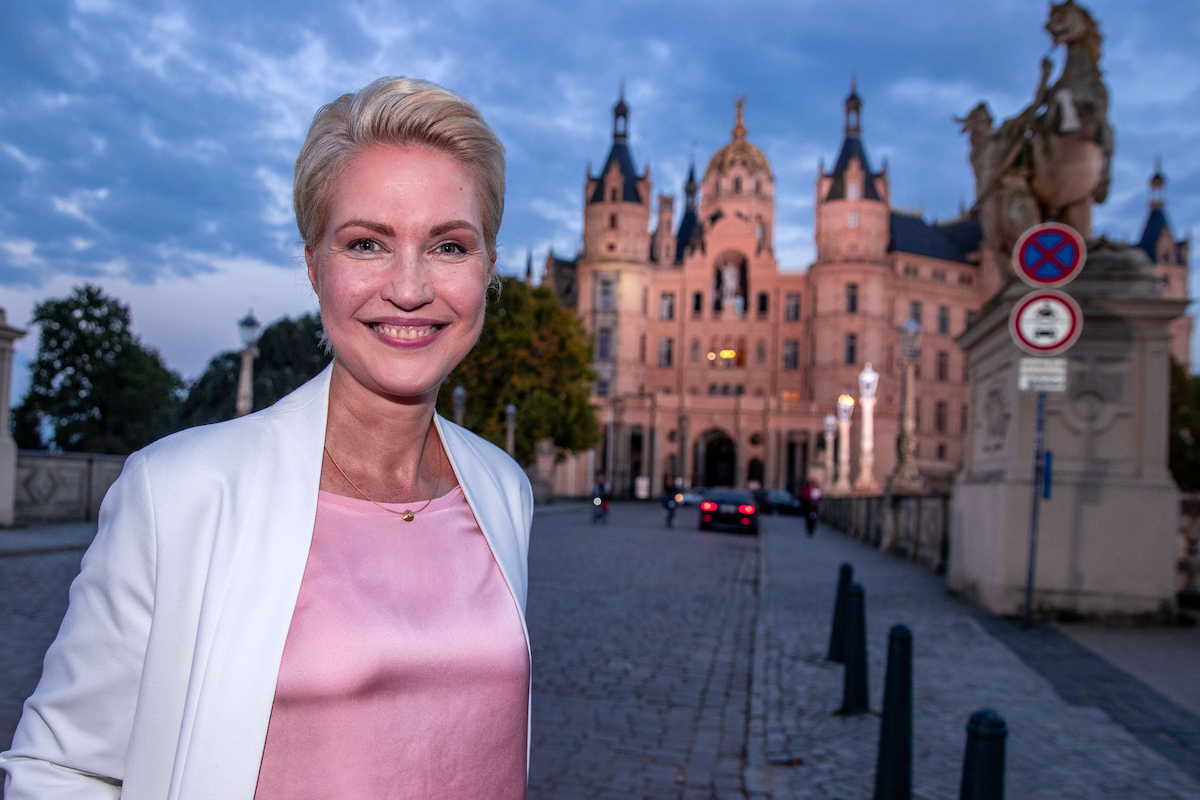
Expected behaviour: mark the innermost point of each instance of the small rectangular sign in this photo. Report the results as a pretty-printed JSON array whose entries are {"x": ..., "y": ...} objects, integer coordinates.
[{"x": 1042, "y": 375}]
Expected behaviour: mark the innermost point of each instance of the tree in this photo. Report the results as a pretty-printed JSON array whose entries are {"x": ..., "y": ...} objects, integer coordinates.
[
  {"x": 1184, "y": 447},
  {"x": 290, "y": 352},
  {"x": 93, "y": 384},
  {"x": 534, "y": 354}
]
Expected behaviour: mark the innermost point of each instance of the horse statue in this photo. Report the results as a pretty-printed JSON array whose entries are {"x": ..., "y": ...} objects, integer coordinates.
[{"x": 1053, "y": 160}]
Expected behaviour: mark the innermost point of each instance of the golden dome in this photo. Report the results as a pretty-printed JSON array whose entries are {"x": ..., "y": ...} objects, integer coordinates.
[{"x": 739, "y": 151}]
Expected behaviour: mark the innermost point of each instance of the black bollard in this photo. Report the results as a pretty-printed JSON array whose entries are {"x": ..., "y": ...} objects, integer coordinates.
[
  {"x": 983, "y": 766},
  {"x": 837, "y": 636},
  {"x": 893, "y": 770},
  {"x": 854, "y": 687}
]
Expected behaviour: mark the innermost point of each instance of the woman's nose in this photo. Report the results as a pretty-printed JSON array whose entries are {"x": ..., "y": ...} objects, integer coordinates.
[{"x": 409, "y": 282}]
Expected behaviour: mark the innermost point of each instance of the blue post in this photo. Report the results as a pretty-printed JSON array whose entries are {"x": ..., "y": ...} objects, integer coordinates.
[
  {"x": 837, "y": 636},
  {"x": 983, "y": 765},
  {"x": 893, "y": 770},
  {"x": 855, "y": 697}
]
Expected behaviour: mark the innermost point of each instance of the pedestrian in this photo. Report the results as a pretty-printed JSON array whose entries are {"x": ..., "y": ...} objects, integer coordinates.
[
  {"x": 600, "y": 495},
  {"x": 669, "y": 503},
  {"x": 325, "y": 598},
  {"x": 810, "y": 500}
]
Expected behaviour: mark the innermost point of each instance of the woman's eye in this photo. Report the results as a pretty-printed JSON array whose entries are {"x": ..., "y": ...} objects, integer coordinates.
[
  {"x": 451, "y": 249},
  {"x": 364, "y": 246}
]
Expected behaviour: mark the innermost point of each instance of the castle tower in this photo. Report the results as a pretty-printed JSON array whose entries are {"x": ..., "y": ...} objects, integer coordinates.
[
  {"x": 1170, "y": 259},
  {"x": 617, "y": 201}
]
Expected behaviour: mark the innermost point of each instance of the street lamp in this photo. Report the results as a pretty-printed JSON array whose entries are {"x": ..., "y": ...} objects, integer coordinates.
[
  {"x": 868, "y": 382},
  {"x": 248, "y": 329},
  {"x": 905, "y": 478},
  {"x": 510, "y": 425},
  {"x": 460, "y": 404},
  {"x": 830, "y": 427},
  {"x": 845, "y": 408}
]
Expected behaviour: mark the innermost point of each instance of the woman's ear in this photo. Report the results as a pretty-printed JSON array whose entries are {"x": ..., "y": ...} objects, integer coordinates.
[{"x": 310, "y": 259}]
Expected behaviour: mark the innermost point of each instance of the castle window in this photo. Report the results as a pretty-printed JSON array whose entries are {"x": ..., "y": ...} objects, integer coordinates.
[
  {"x": 791, "y": 354},
  {"x": 943, "y": 365},
  {"x": 915, "y": 310},
  {"x": 642, "y": 349},
  {"x": 964, "y": 418},
  {"x": 604, "y": 344},
  {"x": 969, "y": 318},
  {"x": 601, "y": 388},
  {"x": 852, "y": 220},
  {"x": 851, "y": 301},
  {"x": 911, "y": 271},
  {"x": 938, "y": 275},
  {"x": 666, "y": 351},
  {"x": 712, "y": 388},
  {"x": 965, "y": 279},
  {"x": 666, "y": 306},
  {"x": 613, "y": 196},
  {"x": 737, "y": 185},
  {"x": 695, "y": 355},
  {"x": 697, "y": 303},
  {"x": 764, "y": 303},
  {"x": 941, "y": 451},
  {"x": 606, "y": 296},
  {"x": 939, "y": 416},
  {"x": 612, "y": 221},
  {"x": 791, "y": 308},
  {"x": 645, "y": 300},
  {"x": 760, "y": 352},
  {"x": 852, "y": 193},
  {"x": 943, "y": 319},
  {"x": 758, "y": 187},
  {"x": 850, "y": 352}
]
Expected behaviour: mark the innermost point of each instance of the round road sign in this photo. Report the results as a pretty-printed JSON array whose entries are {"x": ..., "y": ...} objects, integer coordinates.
[
  {"x": 1045, "y": 322},
  {"x": 1049, "y": 255}
]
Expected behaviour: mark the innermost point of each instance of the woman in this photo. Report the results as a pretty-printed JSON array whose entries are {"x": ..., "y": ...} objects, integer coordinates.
[{"x": 326, "y": 598}]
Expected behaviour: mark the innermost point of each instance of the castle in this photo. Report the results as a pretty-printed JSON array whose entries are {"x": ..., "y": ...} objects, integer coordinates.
[{"x": 716, "y": 368}]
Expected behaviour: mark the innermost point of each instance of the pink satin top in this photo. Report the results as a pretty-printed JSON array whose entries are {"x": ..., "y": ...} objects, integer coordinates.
[{"x": 405, "y": 673}]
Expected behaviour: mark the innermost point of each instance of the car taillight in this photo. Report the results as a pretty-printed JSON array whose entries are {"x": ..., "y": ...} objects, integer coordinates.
[
  {"x": 746, "y": 509},
  {"x": 708, "y": 505}
]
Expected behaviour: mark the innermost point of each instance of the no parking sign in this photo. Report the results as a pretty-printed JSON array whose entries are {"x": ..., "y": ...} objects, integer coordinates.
[
  {"x": 1049, "y": 255},
  {"x": 1045, "y": 323}
]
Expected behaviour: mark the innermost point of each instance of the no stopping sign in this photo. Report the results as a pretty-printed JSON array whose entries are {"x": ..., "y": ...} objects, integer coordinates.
[{"x": 1045, "y": 322}]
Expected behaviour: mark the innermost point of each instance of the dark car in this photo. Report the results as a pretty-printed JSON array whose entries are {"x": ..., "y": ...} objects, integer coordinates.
[
  {"x": 778, "y": 501},
  {"x": 729, "y": 507}
]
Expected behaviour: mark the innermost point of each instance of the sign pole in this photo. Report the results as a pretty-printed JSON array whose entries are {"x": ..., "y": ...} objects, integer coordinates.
[{"x": 1039, "y": 442}]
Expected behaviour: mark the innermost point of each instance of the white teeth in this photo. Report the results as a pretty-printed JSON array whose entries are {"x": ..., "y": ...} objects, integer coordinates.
[{"x": 405, "y": 331}]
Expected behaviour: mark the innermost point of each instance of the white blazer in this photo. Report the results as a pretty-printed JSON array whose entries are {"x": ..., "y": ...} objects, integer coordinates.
[{"x": 161, "y": 680}]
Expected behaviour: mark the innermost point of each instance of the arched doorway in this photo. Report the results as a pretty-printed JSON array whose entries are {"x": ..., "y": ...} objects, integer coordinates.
[{"x": 717, "y": 458}]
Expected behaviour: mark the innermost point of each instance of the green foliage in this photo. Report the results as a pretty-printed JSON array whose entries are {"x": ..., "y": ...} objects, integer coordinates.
[
  {"x": 289, "y": 354},
  {"x": 93, "y": 384},
  {"x": 534, "y": 354},
  {"x": 1184, "y": 452}
]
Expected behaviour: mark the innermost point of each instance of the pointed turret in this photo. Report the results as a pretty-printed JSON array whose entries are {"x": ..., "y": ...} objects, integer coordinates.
[
  {"x": 687, "y": 223},
  {"x": 853, "y": 149},
  {"x": 625, "y": 179},
  {"x": 853, "y": 109},
  {"x": 1158, "y": 240}
]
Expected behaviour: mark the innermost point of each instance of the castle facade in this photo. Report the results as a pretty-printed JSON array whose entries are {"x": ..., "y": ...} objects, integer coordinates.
[{"x": 717, "y": 368}]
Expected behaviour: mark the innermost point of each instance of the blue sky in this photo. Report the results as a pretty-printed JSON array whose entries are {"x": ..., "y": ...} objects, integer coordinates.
[{"x": 148, "y": 146}]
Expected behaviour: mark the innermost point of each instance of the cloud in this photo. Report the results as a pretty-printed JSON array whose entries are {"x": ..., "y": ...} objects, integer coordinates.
[
  {"x": 73, "y": 204},
  {"x": 26, "y": 161},
  {"x": 21, "y": 252}
]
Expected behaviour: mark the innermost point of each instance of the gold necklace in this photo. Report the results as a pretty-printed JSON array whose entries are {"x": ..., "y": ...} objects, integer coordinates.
[{"x": 408, "y": 515}]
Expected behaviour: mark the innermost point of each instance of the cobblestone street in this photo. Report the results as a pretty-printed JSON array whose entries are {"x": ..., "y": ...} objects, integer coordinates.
[{"x": 679, "y": 664}]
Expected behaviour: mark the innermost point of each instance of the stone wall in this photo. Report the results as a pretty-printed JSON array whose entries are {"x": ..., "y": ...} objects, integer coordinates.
[
  {"x": 1189, "y": 551},
  {"x": 912, "y": 526},
  {"x": 62, "y": 487}
]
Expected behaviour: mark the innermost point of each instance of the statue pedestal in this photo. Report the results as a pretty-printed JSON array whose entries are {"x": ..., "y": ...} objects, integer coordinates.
[{"x": 1108, "y": 537}]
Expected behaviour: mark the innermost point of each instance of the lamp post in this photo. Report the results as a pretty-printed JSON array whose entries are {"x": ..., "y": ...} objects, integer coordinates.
[
  {"x": 830, "y": 428},
  {"x": 905, "y": 478},
  {"x": 248, "y": 329},
  {"x": 845, "y": 408},
  {"x": 460, "y": 404},
  {"x": 510, "y": 428},
  {"x": 868, "y": 382}
]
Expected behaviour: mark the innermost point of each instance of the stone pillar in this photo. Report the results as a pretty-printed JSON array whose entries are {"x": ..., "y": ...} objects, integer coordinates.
[
  {"x": 685, "y": 461},
  {"x": 906, "y": 478},
  {"x": 842, "y": 484},
  {"x": 8, "y": 447},
  {"x": 655, "y": 462},
  {"x": 865, "y": 483},
  {"x": 1108, "y": 538},
  {"x": 830, "y": 429}
]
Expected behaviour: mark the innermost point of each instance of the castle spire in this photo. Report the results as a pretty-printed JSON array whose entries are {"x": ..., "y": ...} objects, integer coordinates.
[
  {"x": 1158, "y": 186},
  {"x": 853, "y": 109},
  {"x": 739, "y": 127},
  {"x": 621, "y": 117},
  {"x": 691, "y": 186}
]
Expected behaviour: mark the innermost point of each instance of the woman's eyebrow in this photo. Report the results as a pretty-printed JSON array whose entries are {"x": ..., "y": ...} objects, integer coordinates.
[
  {"x": 378, "y": 227},
  {"x": 452, "y": 225}
]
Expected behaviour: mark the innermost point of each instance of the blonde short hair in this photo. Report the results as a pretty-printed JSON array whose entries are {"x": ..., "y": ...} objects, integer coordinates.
[{"x": 396, "y": 111}]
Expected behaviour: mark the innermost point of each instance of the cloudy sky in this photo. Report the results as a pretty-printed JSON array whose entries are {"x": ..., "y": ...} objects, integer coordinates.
[{"x": 148, "y": 146}]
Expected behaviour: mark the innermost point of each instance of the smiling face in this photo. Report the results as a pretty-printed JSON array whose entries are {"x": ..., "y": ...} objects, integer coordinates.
[{"x": 402, "y": 270}]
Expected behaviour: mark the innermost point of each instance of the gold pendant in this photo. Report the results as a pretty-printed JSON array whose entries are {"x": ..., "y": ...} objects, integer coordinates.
[{"x": 408, "y": 515}]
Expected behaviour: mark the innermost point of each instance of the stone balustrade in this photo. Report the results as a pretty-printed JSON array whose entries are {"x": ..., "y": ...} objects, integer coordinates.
[{"x": 62, "y": 487}]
